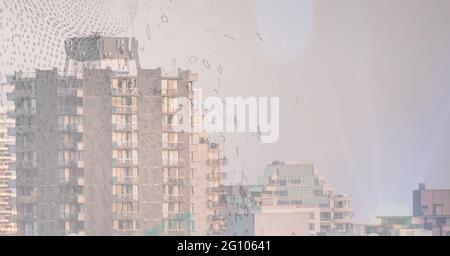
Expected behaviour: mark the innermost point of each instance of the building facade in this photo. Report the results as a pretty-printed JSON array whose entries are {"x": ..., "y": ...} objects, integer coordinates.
[
  {"x": 96, "y": 151},
  {"x": 289, "y": 199},
  {"x": 431, "y": 215},
  {"x": 7, "y": 163}
]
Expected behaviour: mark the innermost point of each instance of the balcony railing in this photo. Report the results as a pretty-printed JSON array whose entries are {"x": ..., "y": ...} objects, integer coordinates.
[
  {"x": 30, "y": 199},
  {"x": 72, "y": 198},
  {"x": 26, "y": 181},
  {"x": 173, "y": 198},
  {"x": 24, "y": 94},
  {"x": 217, "y": 176},
  {"x": 125, "y": 198},
  {"x": 172, "y": 93},
  {"x": 24, "y": 112},
  {"x": 124, "y": 127},
  {"x": 125, "y": 145},
  {"x": 217, "y": 190},
  {"x": 71, "y": 163},
  {"x": 71, "y": 146},
  {"x": 174, "y": 180},
  {"x": 71, "y": 216},
  {"x": 124, "y": 110},
  {"x": 125, "y": 215},
  {"x": 75, "y": 181},
  {"x": 218, "y": 162},
  {"x": 174, "y": 146},
  {"x": 173, "y": 163},
  {"x": 126, "y": 180},
  {"x": 124, "y": 92},
  {"x": 71, "y": 128},
  {"x": 218, "y": 218},
  {"x": 125, "y": 163},
  {"x": 72, "y": 92},
  {"x": 70, "y": 110},
  {"x": 28, "y": 164}
]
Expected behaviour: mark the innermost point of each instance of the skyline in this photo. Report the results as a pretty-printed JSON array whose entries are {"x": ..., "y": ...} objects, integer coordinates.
[{"x": 369, "y": 88}]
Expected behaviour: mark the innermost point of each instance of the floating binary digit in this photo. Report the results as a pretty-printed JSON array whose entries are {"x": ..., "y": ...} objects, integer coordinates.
[
  {"x": 193, "y": 59},
  {"x": 206, "y": 64},
  {"x": 164, "y": 19},
  {"x": 148, "y": 32}
]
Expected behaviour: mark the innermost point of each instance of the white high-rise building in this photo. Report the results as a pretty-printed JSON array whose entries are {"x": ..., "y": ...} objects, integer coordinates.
[{"x": 288, "y": 199}]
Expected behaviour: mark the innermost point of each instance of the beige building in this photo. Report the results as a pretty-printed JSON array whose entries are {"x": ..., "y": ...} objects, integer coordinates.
[{"x": 98, "y": 155}]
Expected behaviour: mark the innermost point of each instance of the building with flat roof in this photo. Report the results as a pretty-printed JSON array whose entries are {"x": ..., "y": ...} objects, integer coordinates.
[
  {"x": 431, "y": 215},
  {"x": 288, "y": 199},
  {"x": 96, "y": 153},
  {"x": 7, "y": 163}
]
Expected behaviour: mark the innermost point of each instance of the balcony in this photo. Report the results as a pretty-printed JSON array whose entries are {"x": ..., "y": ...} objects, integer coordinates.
[
  {"x": 70, "y": 92},
  {"x": 217, "y": 190},
  {"x": 173, "y": 163},
  {"x": 125, "y": 198},
  {"x": 124, "y": 127},
  {"x": 125, "y": 163},
  {"x": 125, "y": 145},
  {"x": 174, "y": 180},
  {"x": 24, "y": 94},
  {"x": 74, "y": 198},
  {"x": 70, "y": 111},
  {"x": 76, "y": 216},
  {"x": 218, "y": 162},
  {"x": 124, "y": 110},
  {"x": 343, "y": 209},
  {"x": 71, "y": 163},
  {"x": 26, "y": 217},
  {"x": 218, "y": 218},
  {"x": 173, "y": 198},
  {"x": 217, "y": 176},
  {"x": 173, "y": 216},
  {"x": 180, "y": 146},
  {"x": 72, "y": 182},
  {"x": 172, "y": 93},
  {"x": 23, "y": 112},
  {"x": 71, "y": 146},
  {"x": 27, "y": 181},
  {"x": 125, "y": 215},
  {"x": 124, "y": 92},
  {"x": 30, "y": 199},
  {"x": 125, "y": 180},
  {"x": 71, "y": 128},
  {"x": 22, "y": 129},
  {"x": 27, "y": 164},
  {"x": 24, "y": 147}
]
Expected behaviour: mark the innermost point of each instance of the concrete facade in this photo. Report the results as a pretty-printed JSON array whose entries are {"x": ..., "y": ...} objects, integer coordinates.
[{"x": 98, "y": 154}]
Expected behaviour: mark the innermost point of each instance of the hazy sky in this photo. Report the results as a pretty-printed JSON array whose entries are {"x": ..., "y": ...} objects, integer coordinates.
[{"x": 371, "y": 77}]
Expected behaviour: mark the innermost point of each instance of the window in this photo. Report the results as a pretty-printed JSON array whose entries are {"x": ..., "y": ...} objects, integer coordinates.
[
  {"x": 325, "y": 215},
  {"x": 282, "y": 182}
]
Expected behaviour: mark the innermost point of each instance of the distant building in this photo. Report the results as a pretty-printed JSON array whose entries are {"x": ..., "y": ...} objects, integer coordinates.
[
  {"x": 7, "y": 161},
  {"x": 96, "y": 152},
  {"x": 431, "y": 215},
  {"x": 289, "y": 199}
]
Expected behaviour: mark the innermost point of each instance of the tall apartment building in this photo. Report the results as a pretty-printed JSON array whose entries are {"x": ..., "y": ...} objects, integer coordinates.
[
  {"x": 7, "y": 160},
  {"x": 96, "y": 151},
  {"x": 290, "y": 199}
]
